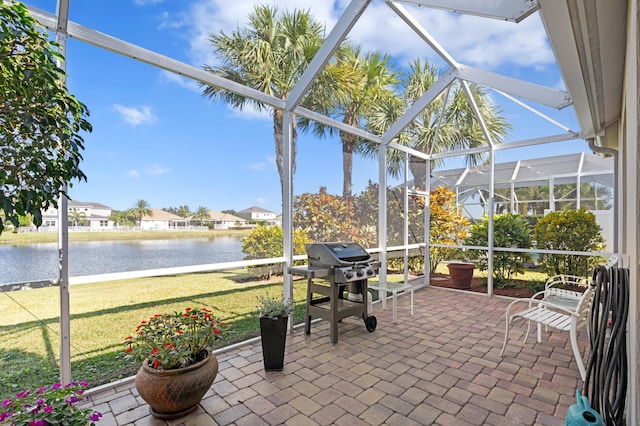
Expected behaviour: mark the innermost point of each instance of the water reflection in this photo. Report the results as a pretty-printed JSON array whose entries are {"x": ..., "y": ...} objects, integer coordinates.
[{"x": 35, "y": 262}]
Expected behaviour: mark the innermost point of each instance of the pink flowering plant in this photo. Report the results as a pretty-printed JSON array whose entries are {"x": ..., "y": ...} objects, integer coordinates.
[
  {"x": 55, "y": 405},
  {"x": 175, "y": 340}
]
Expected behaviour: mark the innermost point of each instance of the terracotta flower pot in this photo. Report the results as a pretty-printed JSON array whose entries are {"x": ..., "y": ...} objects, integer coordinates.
[
  {"x": 461, "y": 275},
  {"x": 176, "y": 393}
]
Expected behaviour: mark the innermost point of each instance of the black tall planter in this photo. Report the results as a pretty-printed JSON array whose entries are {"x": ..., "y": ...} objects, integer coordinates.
[{"x": 274, "y": 337}]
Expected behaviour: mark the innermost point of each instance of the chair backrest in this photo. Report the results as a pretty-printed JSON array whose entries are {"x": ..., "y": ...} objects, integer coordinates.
[
  {"x": 583, "y": 310},
  {"x": 612, "y": 261}
]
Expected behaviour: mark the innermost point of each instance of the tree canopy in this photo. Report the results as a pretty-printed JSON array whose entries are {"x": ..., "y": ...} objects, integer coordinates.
[{"x": 40, "y": 121}]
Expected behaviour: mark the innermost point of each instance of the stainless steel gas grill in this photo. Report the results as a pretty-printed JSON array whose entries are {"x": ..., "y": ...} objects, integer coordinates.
[{"x": 334, "y": 268}]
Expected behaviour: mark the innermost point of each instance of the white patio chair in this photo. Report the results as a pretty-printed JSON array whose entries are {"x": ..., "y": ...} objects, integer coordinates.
[
  {"x": 552, "y": 315},
  {"x": 568, "y": 298}
]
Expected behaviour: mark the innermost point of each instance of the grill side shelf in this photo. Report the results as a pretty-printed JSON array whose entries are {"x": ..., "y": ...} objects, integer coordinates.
[{"x": 309, "y": 271}]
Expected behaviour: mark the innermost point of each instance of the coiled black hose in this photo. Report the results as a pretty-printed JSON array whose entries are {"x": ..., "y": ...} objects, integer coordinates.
[{"x": 606, "y": 381}]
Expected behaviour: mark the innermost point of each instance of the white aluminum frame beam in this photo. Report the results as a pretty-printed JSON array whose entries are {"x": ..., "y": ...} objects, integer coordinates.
[
  {"x": 112, "y": 44},
  {"x": 62, "y": 12},
  {"x": 433, "y": 92},
  {"x": 339, "y": 32},
  {"x": 505, "y": 10},
  {"x": 522, "y": 89},
  {"x": 424, "y": 34},
  {"x": 538, "y": 113},
  {"x": 476, "y": 112}
]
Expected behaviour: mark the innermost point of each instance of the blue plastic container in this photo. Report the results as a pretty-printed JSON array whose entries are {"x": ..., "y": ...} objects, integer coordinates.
[{"x": 581, "y": 413}]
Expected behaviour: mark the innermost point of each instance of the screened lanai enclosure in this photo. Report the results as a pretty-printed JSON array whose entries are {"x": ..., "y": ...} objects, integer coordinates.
[
  {"x": 536, "y": 186},
  {"x": 504, "y": 137}
]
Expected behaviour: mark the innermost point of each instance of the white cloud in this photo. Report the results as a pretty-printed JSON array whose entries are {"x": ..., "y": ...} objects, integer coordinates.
[
  {"x": 180, "y": 81},
  {"x": 156, "y": 170},
  {"x": 256, "y": 166},
  {"x": 146, "y": 2},
  {"x": 471, "y": 40},
  {"x": 153, "y": 170},
  {"x": 136, "y": 116}
]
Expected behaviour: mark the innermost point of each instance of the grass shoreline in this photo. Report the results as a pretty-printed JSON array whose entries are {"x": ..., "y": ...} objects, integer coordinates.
[{"x": 52, "y": 237}]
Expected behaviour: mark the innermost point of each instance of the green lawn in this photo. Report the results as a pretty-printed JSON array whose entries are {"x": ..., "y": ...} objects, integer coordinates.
[{"x": 103, "y": 314}]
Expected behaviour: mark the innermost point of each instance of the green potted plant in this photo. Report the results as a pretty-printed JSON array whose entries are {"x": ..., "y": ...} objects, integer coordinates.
[
  {"x": 178, "y": 366},
  {"x": 273, "y": 313},
  {"x": 54, "y": 405}
]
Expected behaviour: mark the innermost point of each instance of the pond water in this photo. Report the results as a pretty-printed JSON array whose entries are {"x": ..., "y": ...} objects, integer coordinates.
[{"x": 36, "y": 262}]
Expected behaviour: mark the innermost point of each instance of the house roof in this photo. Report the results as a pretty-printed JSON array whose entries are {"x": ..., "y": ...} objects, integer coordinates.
[
  {"x": 255, "y": 209},
  {"x": 76, "y": 203},
  {"x": 217, "y": 216},
  {"x": 224, "y": 217},
  {"x": 162, "y": 215}
]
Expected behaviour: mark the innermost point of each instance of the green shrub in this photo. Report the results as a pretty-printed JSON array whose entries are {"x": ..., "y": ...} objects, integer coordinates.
[
  {"x": 396, "y": 264},
  {"x": 571, "y": 230},
  {"x": 509, "y": 231},
  {"x": 266, "y": 241}
]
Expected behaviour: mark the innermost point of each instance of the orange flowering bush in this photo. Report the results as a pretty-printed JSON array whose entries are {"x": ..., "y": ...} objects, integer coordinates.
[{"x": 176, "y": 340}]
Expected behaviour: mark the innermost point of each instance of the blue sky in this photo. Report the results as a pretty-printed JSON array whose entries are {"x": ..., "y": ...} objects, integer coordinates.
[{"x": 156, "y": 138}]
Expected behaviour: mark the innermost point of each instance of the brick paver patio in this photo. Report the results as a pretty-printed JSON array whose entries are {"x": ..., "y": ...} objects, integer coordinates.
[{"x": 440, "y": 367}]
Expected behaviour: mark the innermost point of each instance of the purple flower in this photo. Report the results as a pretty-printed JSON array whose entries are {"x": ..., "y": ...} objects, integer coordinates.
[
  {"x": 96, "y": 416},
  {"x": 42, "y": 389},
  {"x": 22, "y": 394},
  {"x": 48, "y": 409},
  {"x": 56, "y": 386},
  {"x": 7, "y": 402}
]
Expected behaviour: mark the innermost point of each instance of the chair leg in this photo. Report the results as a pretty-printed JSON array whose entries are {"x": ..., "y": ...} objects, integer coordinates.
[
  {"x": 573, "y": 333},
  {"x": 526, "y": 335},
  {"x": 539, "y": 335},
  {"x": 506, "y": 334}
]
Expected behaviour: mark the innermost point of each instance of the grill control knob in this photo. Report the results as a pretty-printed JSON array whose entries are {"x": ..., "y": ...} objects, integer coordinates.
[
  {"x": 360, "y": 272},
  {"x": 370, "y": 271},
  {"x": 349, "y": 275}
]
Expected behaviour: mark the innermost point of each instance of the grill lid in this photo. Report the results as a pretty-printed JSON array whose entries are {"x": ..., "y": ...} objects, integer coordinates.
[{"x": 336, "y": 254}]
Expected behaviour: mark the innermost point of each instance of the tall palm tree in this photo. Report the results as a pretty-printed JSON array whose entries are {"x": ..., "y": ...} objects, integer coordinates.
[
  {"x": 141, "y": 209},
  {"x": 364, "y": 81},
  {"x": 202, "y": 214},
  {"x": 453, "y": 123},
  {"x": 269, "y": 55}
]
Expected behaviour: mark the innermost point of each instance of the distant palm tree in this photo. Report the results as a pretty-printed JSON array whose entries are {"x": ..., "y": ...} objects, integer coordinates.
[
  {"x": 269, "y": 55},
  {"x": 202, "y": 213},
  {"x": 141, "y": 209},
  {"x": 76, "y": 217},
  {"x": 122, "y": 218}
]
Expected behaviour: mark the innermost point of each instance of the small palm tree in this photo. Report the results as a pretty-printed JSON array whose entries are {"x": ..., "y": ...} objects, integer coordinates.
[
  {"x": 202, "y": 214},
  {"x": 141, "y": 209},
  {"x": 122, "y": 218},
  {"x": 76, "y": 217}
]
